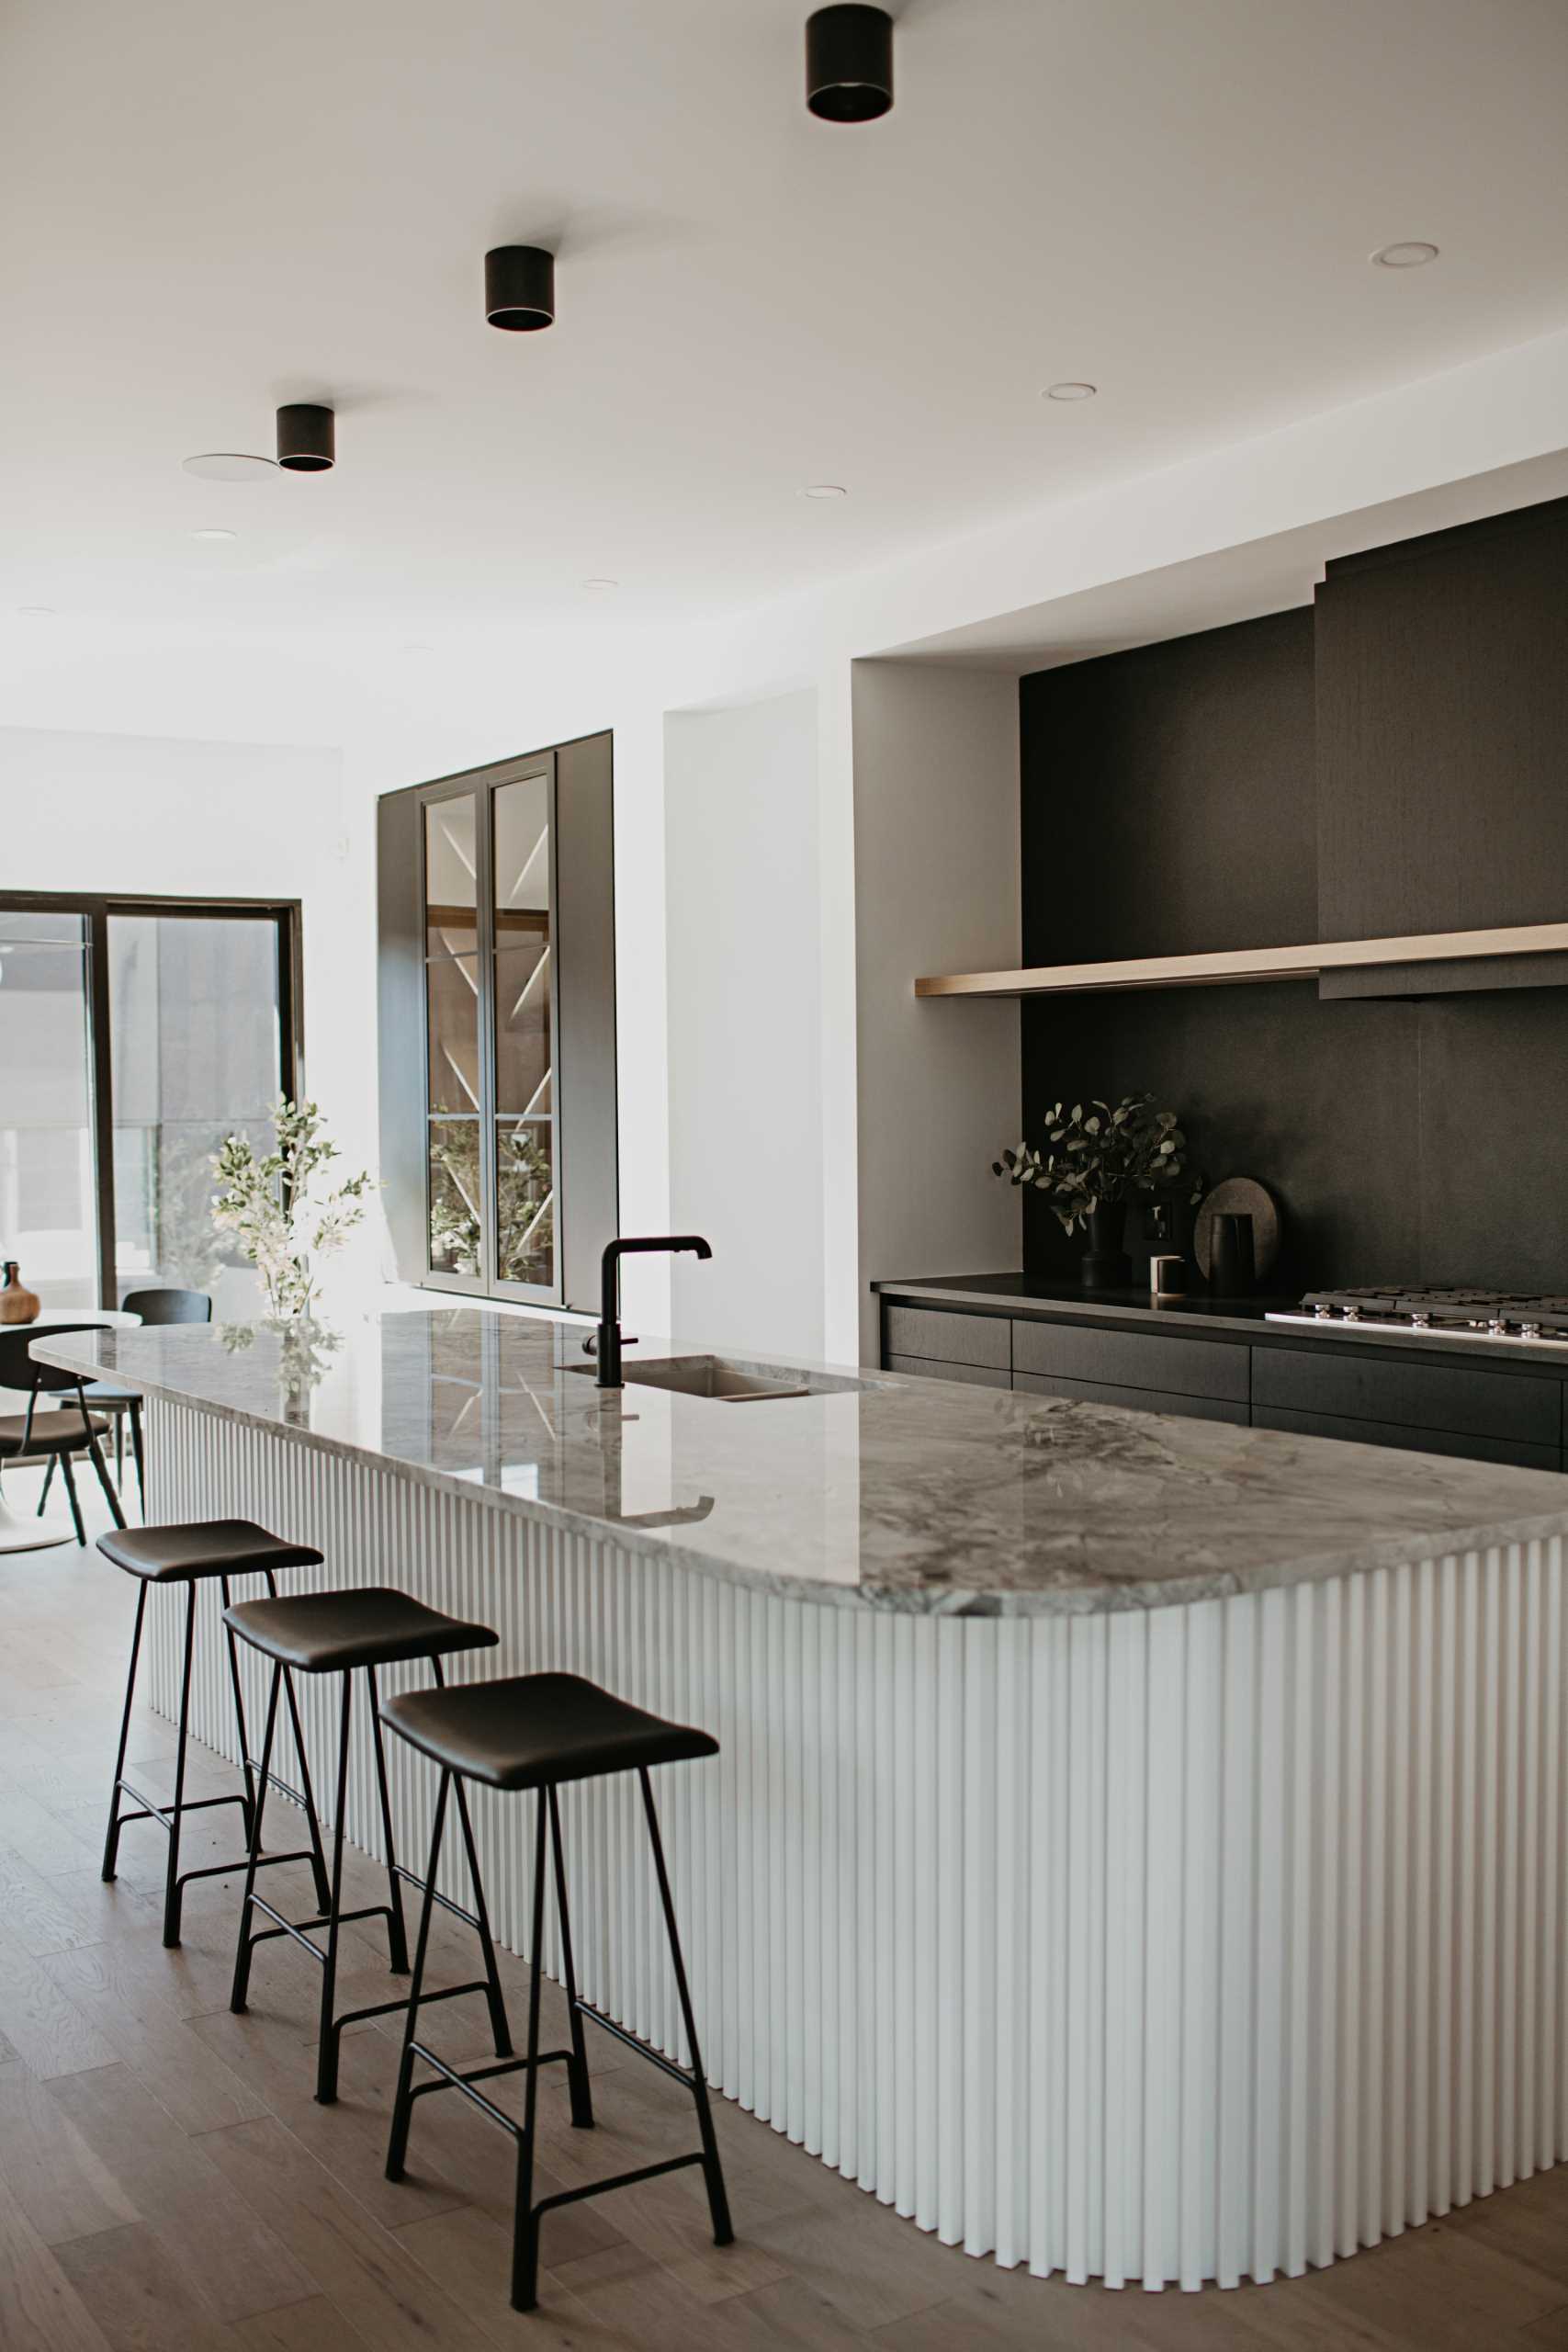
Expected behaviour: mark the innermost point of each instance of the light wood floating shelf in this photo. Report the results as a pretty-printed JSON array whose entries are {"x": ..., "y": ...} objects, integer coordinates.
[{"x": 1254, "y": 963}]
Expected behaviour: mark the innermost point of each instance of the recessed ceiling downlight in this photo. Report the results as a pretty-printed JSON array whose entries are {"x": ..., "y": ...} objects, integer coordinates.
[
  {"x": 1413, "y": 255},
  {"x": 36, "y": 612},
  {"x": 601, "y": 587},
  {"x": 1071, "y": 391},
  {"x": 826, "y": 490},
  {"x": 215, "y": 534},
  {"x": 228, "y": 465}
]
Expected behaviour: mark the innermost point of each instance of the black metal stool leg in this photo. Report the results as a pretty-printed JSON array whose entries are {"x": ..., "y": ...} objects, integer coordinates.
[
  {"x": 397, "y": 1929},
  {"x": 402, "y": 2105},
  {"x": 111, "y": 1840},
  {"x": 248, "y": 1809},
  {"x": 526, "y": 2230},
  {"x": 500, "y": 2026},
  {"x": 47, "y": 1482},
  {"x": 71, "y": 1496},
  {"x": 239, "y": 1991},
  {"x": 136, "y": 1454},
  {"x": 318, "y": 1859},
  {"x": 577, "y": 2072},
  {"x": 99, "y": 1465},
  {"x": 327, "y": 2049},
  {"x": 713, "y": 2172},
  {"x": 171, "y": 1889}
]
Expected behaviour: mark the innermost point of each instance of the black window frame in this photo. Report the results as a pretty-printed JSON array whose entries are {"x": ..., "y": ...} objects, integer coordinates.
[
  {"x": 480, "y": 785},
  {"x": 97, "y": 908}
]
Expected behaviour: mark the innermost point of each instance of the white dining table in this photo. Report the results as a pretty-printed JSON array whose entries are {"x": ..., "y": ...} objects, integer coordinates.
[{"x": 25, "y": 1532}]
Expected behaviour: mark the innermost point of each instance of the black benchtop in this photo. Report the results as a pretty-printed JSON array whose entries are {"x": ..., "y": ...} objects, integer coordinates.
[{"x": 1197, "y": 1316}]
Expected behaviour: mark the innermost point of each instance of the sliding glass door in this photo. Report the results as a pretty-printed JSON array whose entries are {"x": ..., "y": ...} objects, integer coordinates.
[
  {"x": 197, "y": 1054},
  {"x": 48, "y": 1206},
  {"x": 134, "y": 1037}
]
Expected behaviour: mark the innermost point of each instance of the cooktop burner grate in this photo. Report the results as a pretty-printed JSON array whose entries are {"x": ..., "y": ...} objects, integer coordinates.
[{"x": 1458, "y": 1313}]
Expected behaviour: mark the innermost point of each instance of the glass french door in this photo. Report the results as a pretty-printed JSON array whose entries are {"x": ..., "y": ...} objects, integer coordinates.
[{"x": 492, "y": 1135}]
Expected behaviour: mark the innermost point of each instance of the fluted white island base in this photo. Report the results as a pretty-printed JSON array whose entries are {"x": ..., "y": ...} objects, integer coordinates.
[{"x": 1204, "y": 1943}]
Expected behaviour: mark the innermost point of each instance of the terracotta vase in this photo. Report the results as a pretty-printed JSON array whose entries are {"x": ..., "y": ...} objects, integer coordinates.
[{"x": 17, "y": 1304}]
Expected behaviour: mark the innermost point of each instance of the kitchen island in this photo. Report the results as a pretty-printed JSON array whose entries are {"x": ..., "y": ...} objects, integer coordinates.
[{"x": 1136, "y": 1850}]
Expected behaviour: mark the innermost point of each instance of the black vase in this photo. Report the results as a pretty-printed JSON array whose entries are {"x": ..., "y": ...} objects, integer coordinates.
[
  {"x": 1232, "y": 1267},
  {"x": 1106, "y": 1265}
]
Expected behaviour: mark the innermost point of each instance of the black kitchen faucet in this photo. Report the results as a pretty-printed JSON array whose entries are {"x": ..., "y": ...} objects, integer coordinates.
[{"x": 606, "y": 1344}]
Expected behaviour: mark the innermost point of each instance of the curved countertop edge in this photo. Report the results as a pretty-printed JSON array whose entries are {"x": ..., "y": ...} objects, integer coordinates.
[{"x": 1076, "y": 1596}]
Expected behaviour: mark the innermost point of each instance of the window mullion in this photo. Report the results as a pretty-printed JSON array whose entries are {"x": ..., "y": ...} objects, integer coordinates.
[
  {"x": 485, "y": 871},
  {"x": 101, "y": 1102}
]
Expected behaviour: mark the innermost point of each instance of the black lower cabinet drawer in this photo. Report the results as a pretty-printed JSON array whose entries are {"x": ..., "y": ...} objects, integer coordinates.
[
  {"x": 1518, "y": 1408},
  {"x": 1132, "y": 1360},
  {"x": 1136, "y": 1400},
  {"x": 977, "y": 1376},
  {"x": 1520, "y": 1456},
  {"x": 948, "y": 1335}
]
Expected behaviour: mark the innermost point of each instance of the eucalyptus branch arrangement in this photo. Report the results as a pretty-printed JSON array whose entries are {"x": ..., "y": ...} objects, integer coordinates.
[
  {"x": 1097, "y": 1157},
  {"x": 284, "y": 1216}
]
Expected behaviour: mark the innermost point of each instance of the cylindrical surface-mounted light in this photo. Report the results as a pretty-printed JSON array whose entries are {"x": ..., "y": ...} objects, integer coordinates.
[
  {"x": 848, "y": 63},
  {"x": 520, "y": 288},
  {"x": 305, "y": 438}
]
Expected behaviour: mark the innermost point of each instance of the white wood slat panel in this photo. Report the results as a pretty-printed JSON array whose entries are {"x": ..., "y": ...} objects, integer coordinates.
[{"x": 1204, "y": 1943}]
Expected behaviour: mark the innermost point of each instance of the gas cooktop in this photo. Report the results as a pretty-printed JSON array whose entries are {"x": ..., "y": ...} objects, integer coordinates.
[{"x": 1539, "y": 1320}]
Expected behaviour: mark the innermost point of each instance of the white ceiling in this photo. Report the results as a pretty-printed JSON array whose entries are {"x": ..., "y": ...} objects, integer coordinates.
[{"x": 211, "y": 207}]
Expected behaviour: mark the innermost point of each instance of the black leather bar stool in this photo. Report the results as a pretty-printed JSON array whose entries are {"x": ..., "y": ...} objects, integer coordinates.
[
  {"x": 188, "y": 1553},
  {"x": 533, "y": 1731},
  {"x": 341, "y": 1633}
]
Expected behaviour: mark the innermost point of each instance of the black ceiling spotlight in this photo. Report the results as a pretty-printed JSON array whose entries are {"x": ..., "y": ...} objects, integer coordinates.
[
  {"x": 520, "y": 288},
  {"x": 848, "y": 63},
  {"x": 305, "y": 438}
]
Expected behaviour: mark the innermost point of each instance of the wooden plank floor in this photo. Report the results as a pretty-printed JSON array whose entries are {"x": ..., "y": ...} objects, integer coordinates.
[{"x": 167, "y": 2184}]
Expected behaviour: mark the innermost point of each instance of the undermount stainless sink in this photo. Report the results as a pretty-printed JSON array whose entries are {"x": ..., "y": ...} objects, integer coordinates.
[
  {"x": 725, "y": 1383},
  {"x": 711, "y": 1376}
]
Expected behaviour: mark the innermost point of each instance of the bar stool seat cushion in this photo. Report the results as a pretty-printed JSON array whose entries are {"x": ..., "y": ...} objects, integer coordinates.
[
  {"x": 332, "y": 1633},
  {"x": 51, "y": 1432},
  {"x": 529, "y": 1730},
  {"x": 203, "y": 1547}
]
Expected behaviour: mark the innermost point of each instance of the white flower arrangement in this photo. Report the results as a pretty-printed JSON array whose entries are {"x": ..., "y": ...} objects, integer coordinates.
[{"x": 282, "y": 1216}]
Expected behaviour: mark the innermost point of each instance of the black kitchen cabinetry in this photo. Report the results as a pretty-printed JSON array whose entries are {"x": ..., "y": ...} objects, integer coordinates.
[
  {"x": 1436, "y": 1398},
  {"x": 1442, "y": 714}
]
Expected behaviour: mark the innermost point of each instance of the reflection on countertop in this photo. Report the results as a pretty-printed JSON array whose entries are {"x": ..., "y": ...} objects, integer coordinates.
[{"x": 877, "y": 1490}]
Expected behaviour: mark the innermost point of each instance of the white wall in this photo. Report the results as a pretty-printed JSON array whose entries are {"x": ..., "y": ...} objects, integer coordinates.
[
  {"x": 936, "y": 814},
  {"x": 744, "y": 1008}
]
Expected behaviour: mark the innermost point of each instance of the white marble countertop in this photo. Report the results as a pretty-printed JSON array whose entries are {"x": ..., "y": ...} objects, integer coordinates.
[{"x": 875, "y": 1491}]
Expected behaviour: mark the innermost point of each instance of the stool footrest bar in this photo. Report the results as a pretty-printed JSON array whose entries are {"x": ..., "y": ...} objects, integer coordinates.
[
  {"x": 387, "y": 2009},
  {"x": 616, "y": 2180},
  {"x": 165, "y": 1814},
  {"x": 469, "y": 1918},
  {"x": 274, "y": 1780},
  {"x": 454, "y": 2078},
  {"x": 229, "y": 1870},
  {"x": 297, "y": 1927},
  {"x": 681, "y": 2074}
]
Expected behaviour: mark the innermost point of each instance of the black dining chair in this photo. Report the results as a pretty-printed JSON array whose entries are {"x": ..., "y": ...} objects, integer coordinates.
[
  {"x": 57, "y": 1436},
  {"x": 124, "y": 1405}
]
